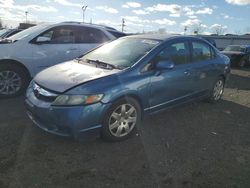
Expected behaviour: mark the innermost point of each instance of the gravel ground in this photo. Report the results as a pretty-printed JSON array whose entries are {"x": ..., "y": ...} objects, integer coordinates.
[{"x": 197, "y": 145}]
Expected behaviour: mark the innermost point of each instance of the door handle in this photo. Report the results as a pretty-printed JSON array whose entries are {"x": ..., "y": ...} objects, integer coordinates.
[
  {"x": 187, "y": 72},
  {"x": 157, "y": 73},
  {"x": 71, "y": 49}
]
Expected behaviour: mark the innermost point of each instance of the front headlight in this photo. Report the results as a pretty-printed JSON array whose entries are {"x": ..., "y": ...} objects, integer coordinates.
[
  {"x": 68, "y": 100},
  {"x": 29, "y": 89}
]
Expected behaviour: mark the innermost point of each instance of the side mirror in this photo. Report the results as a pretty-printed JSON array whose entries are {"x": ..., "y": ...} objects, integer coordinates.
[
  {"x": 164, "y": 65},
  {"x": 42, "y": 39}
]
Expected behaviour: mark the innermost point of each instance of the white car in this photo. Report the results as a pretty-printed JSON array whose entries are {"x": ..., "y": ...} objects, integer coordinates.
[{"x": 25, "y": 54}]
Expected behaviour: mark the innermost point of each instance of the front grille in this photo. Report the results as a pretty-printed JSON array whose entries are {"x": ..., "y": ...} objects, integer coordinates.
[{"x": 43, "y": 94}]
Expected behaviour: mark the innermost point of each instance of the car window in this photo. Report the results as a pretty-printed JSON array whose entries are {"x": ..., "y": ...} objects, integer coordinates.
[
  {"x": 123, "y": 52},
  {"x": 3, "y": 31},
  {"x": 248, "y": 50},
  {"x": 91, "y": 35},
  {"x": 210, "y": 40},
  {"x": 235, "y": 48},
  {"x": 201, "y": 52},
  {"x": 178, "y": 53},
  {"x": 28, "y": 32},
  {"x": 61, "y": 35},
  {"x": 117, "y": 34},
  {"x": 13, "y": 33}
]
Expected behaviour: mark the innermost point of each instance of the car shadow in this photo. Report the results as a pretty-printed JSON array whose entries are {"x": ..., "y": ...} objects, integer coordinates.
[
  {"x": 199, "y": 145},
  {"x": 32, "y": 158},
  {"x": 187, "y": 146},
  {"x": 239, "y": 81},
  {"x": 195, "y": 145}
]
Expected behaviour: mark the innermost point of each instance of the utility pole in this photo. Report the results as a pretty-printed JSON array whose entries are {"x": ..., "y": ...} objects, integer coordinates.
[
  {"x": 26, "y": 15},
  {"x": 123, "y": 24},
  {"x": 84, "y": 7},
  {"x": 1, "y": 24},
  {"x": 185, "y": 30}
]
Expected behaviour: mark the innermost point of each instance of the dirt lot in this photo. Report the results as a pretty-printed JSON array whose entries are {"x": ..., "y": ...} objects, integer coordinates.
[{"x": 197, "y": 145}]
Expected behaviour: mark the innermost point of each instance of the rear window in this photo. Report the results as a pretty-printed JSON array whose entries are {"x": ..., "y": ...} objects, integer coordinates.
[
  {"x": 91, "y": 35},
  {"x": 117, "y": 34},
  {"x": 235, "y": 48},
  {"x": 178, "y": 53},
  {"x": 201, "y": 52}
]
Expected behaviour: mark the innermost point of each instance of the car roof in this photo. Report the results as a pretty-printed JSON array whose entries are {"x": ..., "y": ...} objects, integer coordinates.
[
  {"x": 16, "y": 29},
  {"x": 164, "y": 37},
  {"x": 96, "y": 26},
  {"x": 85, "y": 24},
  {"x": 161, "y": 37}
]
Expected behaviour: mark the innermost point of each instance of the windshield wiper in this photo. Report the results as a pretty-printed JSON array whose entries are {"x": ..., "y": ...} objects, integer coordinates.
[
  {"x": 80, "y": 60},
  {"x": 102, "y": 64}
]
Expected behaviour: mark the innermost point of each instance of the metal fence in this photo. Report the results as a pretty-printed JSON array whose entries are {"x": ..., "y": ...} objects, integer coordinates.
[{"x": 223, "y": 41}]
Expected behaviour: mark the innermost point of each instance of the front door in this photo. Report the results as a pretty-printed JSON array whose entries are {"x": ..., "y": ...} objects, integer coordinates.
[{"x": 175, "y": 85}]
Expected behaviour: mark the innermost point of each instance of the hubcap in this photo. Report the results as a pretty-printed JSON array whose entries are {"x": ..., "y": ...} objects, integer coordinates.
[
  {"x": 10, "y": 82},
  {"x": 218, "y": 89},
  {"x": 242, "y": 63},
  {"x": 122, "y": 120}
]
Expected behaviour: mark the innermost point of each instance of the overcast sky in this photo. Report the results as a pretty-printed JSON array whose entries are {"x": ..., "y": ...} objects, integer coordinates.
[{"x": 232, "y": 15}]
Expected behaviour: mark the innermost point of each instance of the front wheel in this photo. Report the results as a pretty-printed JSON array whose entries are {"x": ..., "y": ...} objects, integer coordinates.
[
  {"x": 121, "y": 120},
  {"x": 13, "y": 81},
  {"x": 217, "y": 91}
]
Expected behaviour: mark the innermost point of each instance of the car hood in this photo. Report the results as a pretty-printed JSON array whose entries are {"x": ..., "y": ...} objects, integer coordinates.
[
  {"x": 62, "y": 77},
  {"x": 232, "y": 53}
]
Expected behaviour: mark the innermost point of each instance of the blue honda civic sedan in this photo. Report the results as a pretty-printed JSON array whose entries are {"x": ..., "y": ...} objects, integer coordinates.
[{"x": 108, "y": 90}]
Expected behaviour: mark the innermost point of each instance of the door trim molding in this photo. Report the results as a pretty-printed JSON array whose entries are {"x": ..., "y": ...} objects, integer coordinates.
[{"x": 164, "y": 103}]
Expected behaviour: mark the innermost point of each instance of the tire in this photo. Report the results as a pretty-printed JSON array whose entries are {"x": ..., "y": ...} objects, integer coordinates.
[
  {"x": 118, "y": 125},
  {"x": 13, "y": 81},
  {"x": 242, "y": 63},
  {"x": 217, "y": 90}
]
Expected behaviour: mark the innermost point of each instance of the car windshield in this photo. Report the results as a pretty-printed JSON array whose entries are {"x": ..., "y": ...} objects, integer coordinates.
[
  {"x": 122, "y": 53},
  {"x": 3, "y": 31},
  {"x": 235, "y": 48},
  {"x": 26, "y": 32}
]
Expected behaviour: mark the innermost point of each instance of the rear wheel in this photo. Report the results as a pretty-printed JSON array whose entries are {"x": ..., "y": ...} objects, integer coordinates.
[
  {"x": 121, "y": 120},
  {"x": 217, "y": 91},
  {"x": 242, "y": 63},
  {"x": 13, "y": 81}
]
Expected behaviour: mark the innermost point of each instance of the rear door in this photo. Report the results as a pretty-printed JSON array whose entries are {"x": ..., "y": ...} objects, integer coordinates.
[
  {"x": 202, "y": 66},
  {"x": 248, "y": 54},
  {"x": 90, "y": 38},
  {"x": 61, "y": 46}
]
